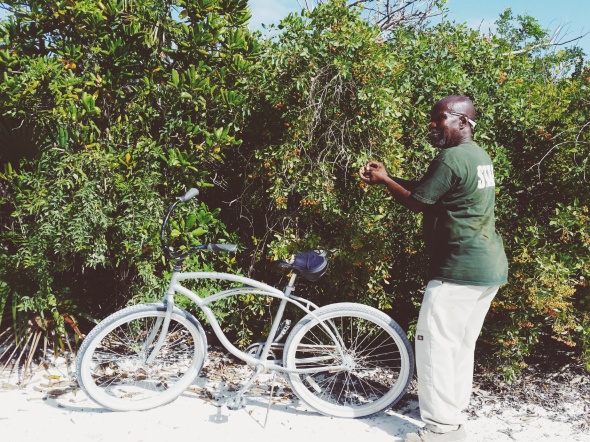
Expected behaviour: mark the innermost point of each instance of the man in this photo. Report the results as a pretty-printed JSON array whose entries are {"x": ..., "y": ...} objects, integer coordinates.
[{"x": 467, "y": 263}]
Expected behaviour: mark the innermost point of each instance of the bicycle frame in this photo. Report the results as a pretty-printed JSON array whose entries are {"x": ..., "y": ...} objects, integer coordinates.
[
  {"x": 250, "y": 286},
  {"x": 332, "y": 358}
]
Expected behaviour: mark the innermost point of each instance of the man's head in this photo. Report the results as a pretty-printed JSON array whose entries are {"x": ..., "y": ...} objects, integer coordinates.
[{"x": 452, "y": 121}]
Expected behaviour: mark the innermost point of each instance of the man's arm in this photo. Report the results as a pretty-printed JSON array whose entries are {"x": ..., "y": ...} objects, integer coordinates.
[
  {"x": 406, "y": 184},
  {"x": 403, "y": 196},
  {"x": 375, "y": 173}
]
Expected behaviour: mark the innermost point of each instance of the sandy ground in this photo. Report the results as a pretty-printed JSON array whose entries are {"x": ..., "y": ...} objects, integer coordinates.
[{"x": 50, "y": 407}]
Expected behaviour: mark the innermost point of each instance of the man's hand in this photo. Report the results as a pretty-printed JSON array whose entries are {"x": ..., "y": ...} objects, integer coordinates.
[{"x": 373, "y": 173}]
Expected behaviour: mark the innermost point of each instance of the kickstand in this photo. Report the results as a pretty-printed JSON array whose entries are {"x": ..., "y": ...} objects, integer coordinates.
[
  {"x": 272, "y": 388},
  {"x": 218, "y": 418}
]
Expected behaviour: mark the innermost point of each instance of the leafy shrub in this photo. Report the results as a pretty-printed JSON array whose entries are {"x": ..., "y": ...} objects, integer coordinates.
[
  {"x": 335, "y": 92},
  {"x": 130, "y": 104}
]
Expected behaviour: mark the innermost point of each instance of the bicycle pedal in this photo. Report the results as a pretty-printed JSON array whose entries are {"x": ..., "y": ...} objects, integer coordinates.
[{"x": 235, "y": 403}]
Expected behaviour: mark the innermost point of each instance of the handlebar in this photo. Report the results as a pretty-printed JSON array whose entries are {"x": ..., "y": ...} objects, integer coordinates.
[
  {"x": 220, "y": 247},
  {"x": 192, "y": 192},
  {"x": 176, "y": 254}
]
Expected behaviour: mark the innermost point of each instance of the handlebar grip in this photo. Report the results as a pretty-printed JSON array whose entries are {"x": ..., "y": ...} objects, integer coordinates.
[
  {"x": 222, "y": 247},
  {"x": 189, "y": 195}
]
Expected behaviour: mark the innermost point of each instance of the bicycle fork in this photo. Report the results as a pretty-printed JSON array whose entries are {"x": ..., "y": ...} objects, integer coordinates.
[{"x": 161, "y": 326}]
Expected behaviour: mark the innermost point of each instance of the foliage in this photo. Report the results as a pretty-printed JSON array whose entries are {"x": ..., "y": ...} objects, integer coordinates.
[
  {"x": 333, "y": 94},
  {"x": 325, "y": 105},
  {"x": 131, "y": 104},
  {"x": 393, "y": 13}
]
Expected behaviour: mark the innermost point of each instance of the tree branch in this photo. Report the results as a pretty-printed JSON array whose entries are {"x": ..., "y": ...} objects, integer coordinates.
[
  {"x": 387, "y": 14},
  {"x": 551, "y": 42}
]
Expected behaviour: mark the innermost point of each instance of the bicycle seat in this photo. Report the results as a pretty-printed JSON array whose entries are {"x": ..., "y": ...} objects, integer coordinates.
[{"x": 311, "y": 265}]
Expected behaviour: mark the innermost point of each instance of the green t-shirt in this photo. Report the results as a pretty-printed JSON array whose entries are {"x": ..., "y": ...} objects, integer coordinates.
[{"x": 459, "y": 224}]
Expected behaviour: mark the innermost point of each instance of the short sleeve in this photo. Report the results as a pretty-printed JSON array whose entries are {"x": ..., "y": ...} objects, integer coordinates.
[{"x": 437, "y": 181}]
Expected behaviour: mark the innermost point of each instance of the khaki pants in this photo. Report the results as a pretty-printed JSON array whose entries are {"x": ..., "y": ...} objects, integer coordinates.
[{"x": 449, "y": 323}]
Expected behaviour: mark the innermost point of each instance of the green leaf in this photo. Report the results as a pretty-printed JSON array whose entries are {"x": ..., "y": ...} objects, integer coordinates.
[
  {"x": 175, "y": 77},
  {"x": 190, "y": 222}
]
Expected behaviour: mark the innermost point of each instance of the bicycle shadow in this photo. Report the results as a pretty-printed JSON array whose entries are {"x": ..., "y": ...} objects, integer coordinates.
[
  {"x": 272, "y": 399},
  {"x": 269, "y": 406}
]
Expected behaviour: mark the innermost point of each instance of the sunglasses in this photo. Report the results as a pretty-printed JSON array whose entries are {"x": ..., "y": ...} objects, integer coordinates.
[{"x": 469, "y": 120}]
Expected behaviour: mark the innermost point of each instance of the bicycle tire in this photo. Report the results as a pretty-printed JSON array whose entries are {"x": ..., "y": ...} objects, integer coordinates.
[
  {"x": 111, "y": 366},
  {"x": 376, "y": 352}
]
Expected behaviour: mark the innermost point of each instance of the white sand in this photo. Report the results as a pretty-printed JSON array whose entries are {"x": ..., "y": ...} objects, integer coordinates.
[{"x": 47, "y": 408}]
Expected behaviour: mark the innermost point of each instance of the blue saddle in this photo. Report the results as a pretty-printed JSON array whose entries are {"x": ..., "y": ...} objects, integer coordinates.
[{"x": 311, "y": 265}]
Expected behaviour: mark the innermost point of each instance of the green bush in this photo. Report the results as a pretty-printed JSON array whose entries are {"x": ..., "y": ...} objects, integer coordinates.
[
  {"x": 130, "y": 104},
  {"x": 119, "y": 107},
  {"x": 335, "y": 92}
]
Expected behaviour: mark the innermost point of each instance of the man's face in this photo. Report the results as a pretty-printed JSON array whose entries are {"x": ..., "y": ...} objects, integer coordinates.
[{"x": 444, "y": 128}]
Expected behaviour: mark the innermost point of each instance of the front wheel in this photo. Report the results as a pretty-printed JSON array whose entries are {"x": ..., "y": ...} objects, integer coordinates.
[
  {"x": 358, "y": 361},
  {"x": 112, "y": 367}
]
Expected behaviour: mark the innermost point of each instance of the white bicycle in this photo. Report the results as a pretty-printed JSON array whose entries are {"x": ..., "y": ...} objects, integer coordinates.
[{"x": 343, "y": 359}]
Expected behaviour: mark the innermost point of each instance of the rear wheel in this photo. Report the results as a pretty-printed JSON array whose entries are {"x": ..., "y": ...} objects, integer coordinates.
[
  {"x": 112, "y": 363},
  {"x": 359, "y": 360}
]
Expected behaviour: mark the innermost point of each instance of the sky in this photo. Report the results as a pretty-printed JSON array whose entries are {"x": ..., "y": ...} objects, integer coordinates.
[{"x": 572, "y": 15}]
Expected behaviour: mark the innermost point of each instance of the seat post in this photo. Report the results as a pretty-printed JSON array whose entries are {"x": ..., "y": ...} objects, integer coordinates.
[
  {"x": 290, "y": 285},
  {"x": 277, "y": 319}
]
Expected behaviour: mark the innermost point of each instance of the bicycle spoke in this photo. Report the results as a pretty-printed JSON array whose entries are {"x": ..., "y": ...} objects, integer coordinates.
[
  {"x": 113, "y": 370},
  {"x": 360, "y": 363}
]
